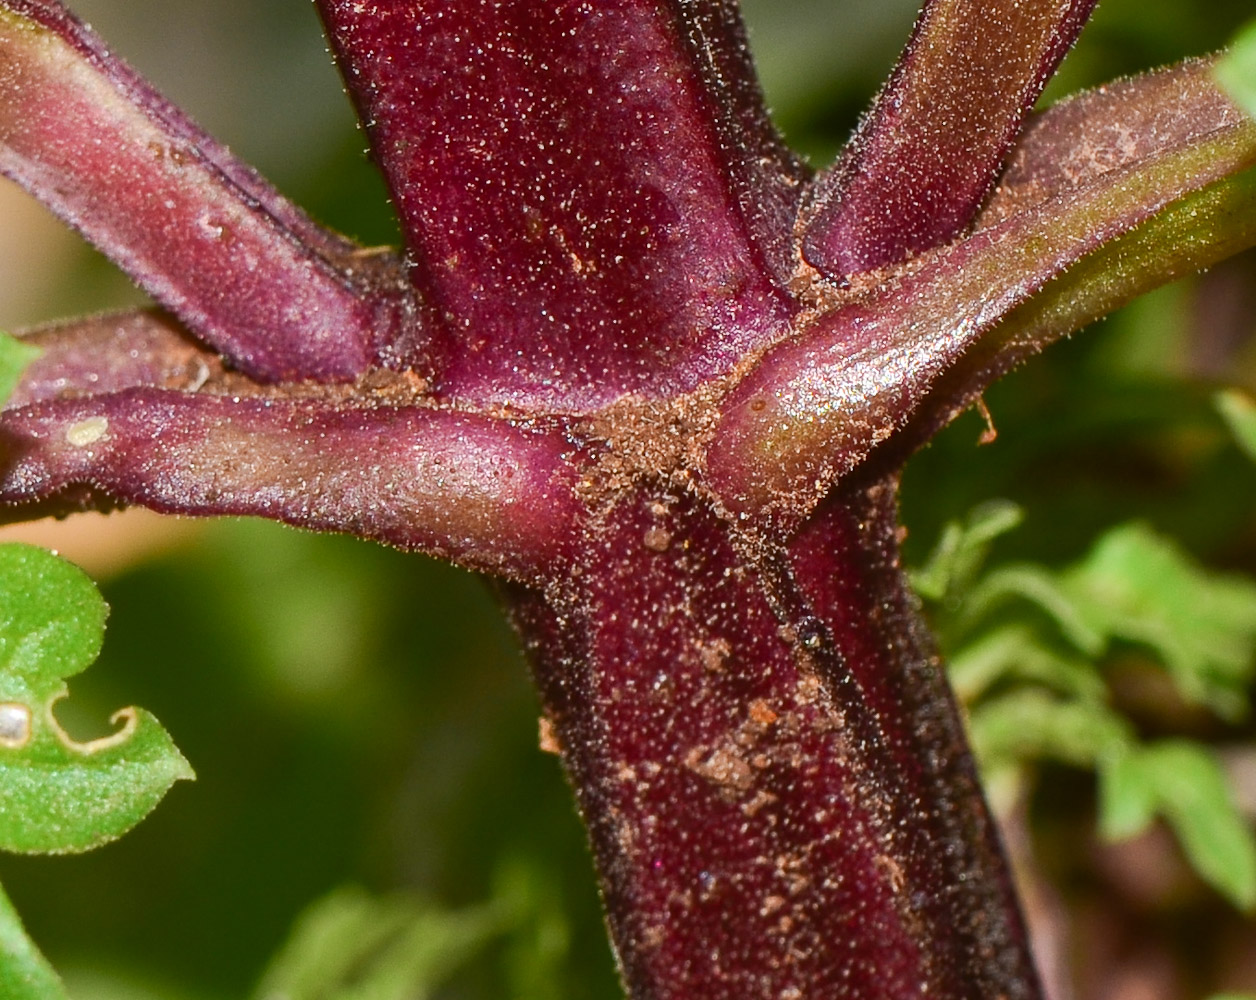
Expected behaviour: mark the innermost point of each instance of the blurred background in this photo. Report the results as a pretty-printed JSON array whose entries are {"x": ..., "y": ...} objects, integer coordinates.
[{"x": 358, "y": 717}]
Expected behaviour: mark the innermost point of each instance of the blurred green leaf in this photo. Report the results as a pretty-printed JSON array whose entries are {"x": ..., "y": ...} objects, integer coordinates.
[
  {"x": 1042, "y": 588},
  {"x": 1236, "y": 70},
  {"x": 1140, "y": 587},
  {"x": 1183, "y": 782},
  {"x": 1028, "y": 700},
  {"x": 14, "y": 356},
  {"x": 1136, "y": 586},
  {"x": 351, "y": 945},
  {"x": 24, "y": 973},
  {"x": 1238, "y": 409},
  {"x": 56, "y": 794},
  {"x": 1016, "y": 653},
  {"x": 1127, "y": 799},
  {"x": 354, "y": 946},
  {"x": 1029, "y": 723},
  {"x": 962, "y": 549}
]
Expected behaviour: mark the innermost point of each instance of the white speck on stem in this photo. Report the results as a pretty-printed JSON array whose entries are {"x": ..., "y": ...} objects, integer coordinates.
[{"x": 86, "y": 432}]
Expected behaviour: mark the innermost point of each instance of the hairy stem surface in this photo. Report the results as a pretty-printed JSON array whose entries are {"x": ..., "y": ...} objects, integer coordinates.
[{"x": 779, "y": 797}]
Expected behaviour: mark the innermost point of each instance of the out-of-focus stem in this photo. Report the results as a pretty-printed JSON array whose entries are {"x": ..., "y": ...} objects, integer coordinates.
[{"x": 202, "y": 233}]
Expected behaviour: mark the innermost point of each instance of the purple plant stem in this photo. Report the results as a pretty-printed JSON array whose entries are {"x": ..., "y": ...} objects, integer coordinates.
[
  {"x": 592, "y": 197},
  {"x": 759, "y": 733},
  {"x": 98, "y": 355},
  {"x": 202, "y": 233},
  {"x": 932, "y": 146},
  {"x": 475, "y": 490},
  {"x": 778, "y": 793}
]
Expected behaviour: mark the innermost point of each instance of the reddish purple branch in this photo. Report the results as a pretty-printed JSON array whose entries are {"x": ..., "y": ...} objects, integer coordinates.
[
  {"x": 771, "y": 768},
  {"x": 931, "y": 147},
  {"x": 475, "y": 490},
  {"x": 202, "y": 233},
  {"x": 605, "y": 373},
  {"x": 592, "y": 197},
  {"x": 817, "y": 406}
]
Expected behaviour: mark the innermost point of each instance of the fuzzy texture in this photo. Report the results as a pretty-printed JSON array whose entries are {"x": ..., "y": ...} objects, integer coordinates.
[{"x": 641, "y": 367}]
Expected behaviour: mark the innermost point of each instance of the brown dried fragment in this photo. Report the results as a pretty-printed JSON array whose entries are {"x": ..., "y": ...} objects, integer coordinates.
[
  {"x": 893, "y": 872},
  {"x": 714, "y": 654},
  {"x": 548, "y": 736},
  {"x": 770, "y": 905},
  {"x": 761, "y": 712},
  {"x": 723, "y": 767},
  {"x": 653, "y": 936},
  {"x": 657, "y": 539}
]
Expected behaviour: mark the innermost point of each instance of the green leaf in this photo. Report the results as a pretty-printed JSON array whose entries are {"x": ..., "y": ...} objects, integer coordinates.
[
  {"x": 1238, "y": 409},
  {"x": 1137, "y": 586},
  {"x": 962, "y": 549},
  {"x": 1030, "y": 724},
  {"x": 353, "y": 946},
  {"x": 14, "y": 357},
  {"x": 58, "y": 795},
  {"x": 1044, "y": 590},
  {"x": 1184, "y": 783},
  {"x": 1127, "y": 796},
  {"x": 1236, "y": 70},
  {"x": 24, "y": 973},
  {"x": 1017, "y": 653}
]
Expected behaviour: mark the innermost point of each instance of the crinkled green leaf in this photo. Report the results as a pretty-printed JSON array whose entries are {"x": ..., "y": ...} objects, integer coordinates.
[
  {"x": 1236, "y": 70},
  {"x": 1137, "y": 586},
  {"x": 1029, "y": 723},
  {"x": 1030, "y": 699},
  {"x": 353, "y": 946},
  {"x": 14, "y": 356},
  {"x": 24, "y": 973},
  {"x": 963, "y": 548},
  {"x": 1016, "y": 652},
  {"x": 1042, "y": 588},
  {"x": 1184, "y": 783},
  {"x": 1238, "y": 409},
  {"x": 58, "y": 795}
]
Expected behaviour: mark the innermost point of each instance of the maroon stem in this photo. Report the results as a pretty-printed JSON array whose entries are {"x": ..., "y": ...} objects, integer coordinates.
[
  {"x": 779, "y": 797},
  {"x": 202, "y": 233},
  {"x": 593, "y": 199},
  {"x": 930, "y": 149}
]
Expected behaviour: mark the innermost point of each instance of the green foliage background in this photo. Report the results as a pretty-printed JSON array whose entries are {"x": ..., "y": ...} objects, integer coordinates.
[{"x": 361, "y": 717}]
